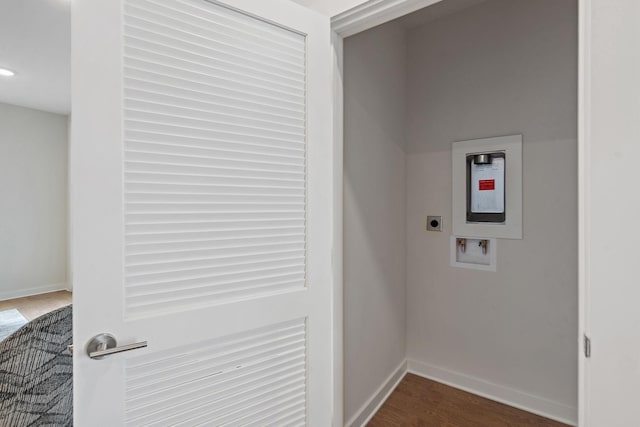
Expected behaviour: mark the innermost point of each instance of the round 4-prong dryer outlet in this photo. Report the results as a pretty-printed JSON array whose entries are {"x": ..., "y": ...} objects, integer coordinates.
[{"x": 434, "y": 223}]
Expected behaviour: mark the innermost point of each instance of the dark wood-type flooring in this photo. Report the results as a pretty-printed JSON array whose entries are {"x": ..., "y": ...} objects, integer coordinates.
[{"x": 419, "y": 402}]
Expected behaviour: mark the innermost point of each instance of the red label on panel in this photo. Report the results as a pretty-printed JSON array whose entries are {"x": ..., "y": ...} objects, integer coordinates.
[{"x": 487, "y": 184}]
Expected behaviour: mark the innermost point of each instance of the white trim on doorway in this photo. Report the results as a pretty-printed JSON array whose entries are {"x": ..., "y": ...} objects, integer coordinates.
[
  {"x": 584, "y": 188},
  {"x": 373, "y": 13},
  {"x": 337, "y": 256}
]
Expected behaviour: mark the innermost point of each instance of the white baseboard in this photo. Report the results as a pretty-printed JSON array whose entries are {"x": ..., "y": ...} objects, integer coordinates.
[
  {"x": 509, "y": 396},
  {"x": 20, "y": 293},
  {"x": 369, "y": 409}
]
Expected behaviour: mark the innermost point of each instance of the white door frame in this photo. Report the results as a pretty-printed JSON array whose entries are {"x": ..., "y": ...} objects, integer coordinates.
[{"x": 376, "y": 12}]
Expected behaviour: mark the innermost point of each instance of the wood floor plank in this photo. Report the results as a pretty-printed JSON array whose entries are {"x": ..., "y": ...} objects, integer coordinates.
[
  {"x": 419, "y": 402},
  {"x": 37, "y": 305}
]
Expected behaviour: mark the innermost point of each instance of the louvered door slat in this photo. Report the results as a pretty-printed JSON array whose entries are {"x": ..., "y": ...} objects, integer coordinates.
[
  {"x": 240, "y": 379},
  {"x": 154, "y": 169},
  {"x": 153, "y": 83},
  {"x": 143, "y": 29},
  {"x": 236, "y": 21},
  {"x": 185, "y": 248},
  {"x": 194, "y": 24},
  {"x": 172, "y": 58},
  {"x": 204, "y": 112},
  {"x": 148, "y": 89},
  {"x": 215, "y": 157}
]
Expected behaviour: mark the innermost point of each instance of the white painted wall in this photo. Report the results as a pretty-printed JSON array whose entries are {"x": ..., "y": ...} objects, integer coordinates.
[
  {"x": 374, "y": 212},
  {"x": 498, "y": 68},
  {"x": 330, "y": 7},
  {"x": 612, "y": 203},
  {"x": 33, "y": 185}
]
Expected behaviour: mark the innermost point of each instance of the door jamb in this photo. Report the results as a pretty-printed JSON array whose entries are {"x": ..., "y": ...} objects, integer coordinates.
[
  {"x": 584, "y": 214},
  {"x": 337, "y": 255},
  {"x": 376, "y": 12}
]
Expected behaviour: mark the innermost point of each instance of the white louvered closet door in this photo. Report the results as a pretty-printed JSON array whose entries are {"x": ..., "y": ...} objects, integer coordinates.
[{"x": 201, "y": 213}]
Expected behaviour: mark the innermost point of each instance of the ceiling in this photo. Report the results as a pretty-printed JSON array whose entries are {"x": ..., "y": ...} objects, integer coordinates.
[{"x": 35, "y": 44}]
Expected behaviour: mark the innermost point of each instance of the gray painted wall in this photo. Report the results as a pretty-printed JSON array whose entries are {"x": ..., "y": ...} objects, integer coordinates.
[
  {"x": 374, "y": 211},
  {"x": 33, "y": 189},
  {"x": 502, "y": 67}
]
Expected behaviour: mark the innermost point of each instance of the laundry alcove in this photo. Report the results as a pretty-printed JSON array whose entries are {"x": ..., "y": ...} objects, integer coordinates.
[{"x": 461, "y": 70}]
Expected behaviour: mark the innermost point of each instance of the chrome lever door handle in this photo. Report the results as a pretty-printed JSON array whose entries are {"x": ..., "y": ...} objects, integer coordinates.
[{"x": 105, "y": 344}]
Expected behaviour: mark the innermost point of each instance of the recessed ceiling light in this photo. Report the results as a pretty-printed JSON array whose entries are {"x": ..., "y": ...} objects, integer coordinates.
[{"x": 6, "y": 73}]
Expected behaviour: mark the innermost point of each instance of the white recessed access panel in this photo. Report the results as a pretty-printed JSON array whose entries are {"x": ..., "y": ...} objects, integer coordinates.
[
  {"x": 487, "y": 187},
  {"x": 476, "y": 254}
]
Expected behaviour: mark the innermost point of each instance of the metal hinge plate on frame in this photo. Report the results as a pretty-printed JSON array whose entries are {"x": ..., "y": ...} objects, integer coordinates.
[{"x": 587, "y": 347}]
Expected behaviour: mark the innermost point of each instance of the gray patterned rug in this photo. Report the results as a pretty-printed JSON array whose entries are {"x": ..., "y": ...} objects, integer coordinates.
[
  {"x": 10, "y": 321},
  {"x": 36, "y": 386}
]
